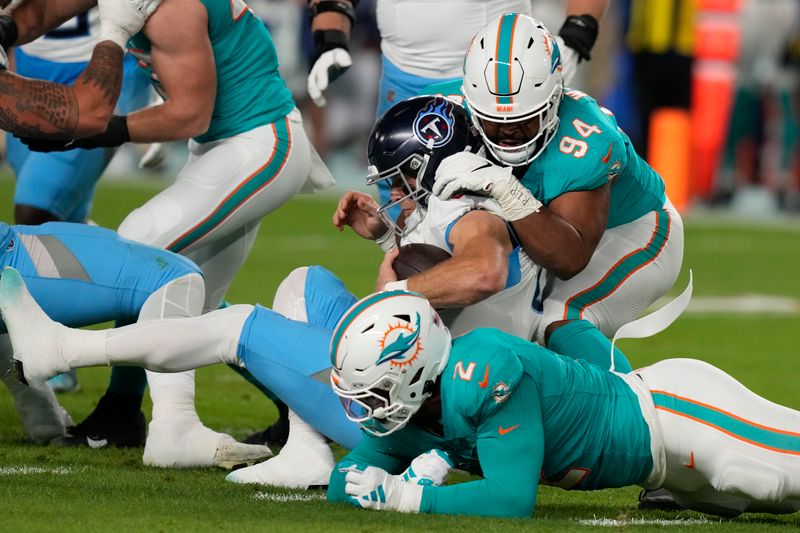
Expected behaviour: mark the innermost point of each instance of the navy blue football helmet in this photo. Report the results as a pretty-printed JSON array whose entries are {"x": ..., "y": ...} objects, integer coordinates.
[{"x": 409, "y": 141}]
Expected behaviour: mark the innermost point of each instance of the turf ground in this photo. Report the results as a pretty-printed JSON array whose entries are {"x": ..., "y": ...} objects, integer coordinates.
[{"x": 47, "y": 488}]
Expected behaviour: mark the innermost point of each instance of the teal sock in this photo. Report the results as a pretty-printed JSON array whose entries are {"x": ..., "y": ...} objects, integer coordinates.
[
  {"x": 127, "y": 380},
  {"x": 253, "y": 381},
  {"x": 580, "y": 339}
]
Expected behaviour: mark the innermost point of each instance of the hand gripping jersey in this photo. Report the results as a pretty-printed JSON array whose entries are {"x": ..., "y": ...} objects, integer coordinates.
[
  {"x": 517, "y": 308},
  {"x": 250, "y": 91},
  {"x": 588, "y": 150},
  {"x": 531, "y": 416}
]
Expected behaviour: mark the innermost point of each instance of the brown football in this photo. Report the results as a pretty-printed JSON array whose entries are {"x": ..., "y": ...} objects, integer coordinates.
[{"x": 416, "y": 258}]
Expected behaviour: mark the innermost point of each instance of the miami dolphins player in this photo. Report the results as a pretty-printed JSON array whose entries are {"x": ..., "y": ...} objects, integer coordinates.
[
  {"x": 541, "y": 417},
  {"x": 415, "y": 52},
  {"x": 248, "y": 155},
  {"x": 584, "y": 205}
]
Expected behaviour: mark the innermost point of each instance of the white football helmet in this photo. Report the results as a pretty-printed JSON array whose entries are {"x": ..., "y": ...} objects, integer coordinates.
[
  {"x": 512, "y": 73},
  {"x": 387, "y": 352}
]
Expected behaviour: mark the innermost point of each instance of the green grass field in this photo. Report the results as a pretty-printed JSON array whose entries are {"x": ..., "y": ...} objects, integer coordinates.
[{"x": 47, "y": 488}]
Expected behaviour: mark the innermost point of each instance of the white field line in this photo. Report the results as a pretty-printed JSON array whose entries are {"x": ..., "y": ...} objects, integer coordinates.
[
  {"x": 23, "y": 470},
  {"x": 612, "y": 522},
  {"x": 286, "y": 498},
  {"x": 745, "y": 304}
]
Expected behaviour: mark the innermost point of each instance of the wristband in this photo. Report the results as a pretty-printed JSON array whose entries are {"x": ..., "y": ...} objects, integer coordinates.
[
  {"x": 116, "y": 134},
  {"x": 580, "y": 33},
  {"x": 325, "y": 40},
  {"x": 8, "y": 31},
  {"x": 338, "y": 6},
  {"x": 387, "y": 241}
]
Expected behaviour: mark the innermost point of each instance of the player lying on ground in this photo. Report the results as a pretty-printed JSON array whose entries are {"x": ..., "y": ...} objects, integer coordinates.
[
  {"x": 510, "y": 410},
  {"x": 538, "y": 417},
  {"x": 84, "y": 275}
]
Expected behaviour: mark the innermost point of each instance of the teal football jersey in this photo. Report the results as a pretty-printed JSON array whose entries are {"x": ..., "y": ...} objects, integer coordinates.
[
  {"x": 588, "y": 150},
  {"x": 519, "y": 415},
  {"x": 250, "y": 91}
]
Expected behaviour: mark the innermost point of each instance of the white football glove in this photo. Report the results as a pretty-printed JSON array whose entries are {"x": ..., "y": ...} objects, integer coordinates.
[
  {"x": 154, "y": 155},
  {"x": 375, "y": 488},
  {"x": 569, "y": 61},
  {"x": 120, "y": 19},
  {"x": 327, "y": 68},
  {"x": 429, "y": 469},
  {"x": 473, "y": 174}
]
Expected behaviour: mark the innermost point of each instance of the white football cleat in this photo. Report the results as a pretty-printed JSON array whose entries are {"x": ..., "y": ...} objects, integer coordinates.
[
  {"x": 33, "y": 335},
  {"x": 305, "y": 462},
  {"x": 187, "y": 443}
]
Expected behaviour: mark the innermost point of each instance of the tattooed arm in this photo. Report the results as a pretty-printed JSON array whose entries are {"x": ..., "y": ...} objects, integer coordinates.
[{"x": 35, "y": 108}]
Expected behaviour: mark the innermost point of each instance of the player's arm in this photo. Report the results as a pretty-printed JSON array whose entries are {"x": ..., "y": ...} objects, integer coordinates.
[
  {"x": 36, "y": 108},
  {"x": 24, "y": 21},
  {"x": 479, "y": 266},
  {"x": 510, "y": 451},
  {"x": 331, "y": 23},
  {"x": 563, "y": 236},
  {"x": 371, "y": 451},
  {"x": 184, "y": 61}
]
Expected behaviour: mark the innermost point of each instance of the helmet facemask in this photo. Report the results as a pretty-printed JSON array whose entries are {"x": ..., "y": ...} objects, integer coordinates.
[
  {"x": 513, "y": 74},
  {"x": 398, "y": 177},
  {"x": 387, "y": 352}
]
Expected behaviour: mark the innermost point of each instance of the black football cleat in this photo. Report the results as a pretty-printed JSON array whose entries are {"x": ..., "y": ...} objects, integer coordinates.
[
  {"x": 657, "y": 500},
  {"x": 274, "y": 436},
  {"x": 117, "y": 421}
]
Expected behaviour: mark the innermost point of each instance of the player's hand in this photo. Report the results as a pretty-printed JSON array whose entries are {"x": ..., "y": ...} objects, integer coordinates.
[
  {"x": 115, "y": 135},
  {"x": 359, "y": 211},
  {"x": 3, "y": 59},
  {"x": 470, "y": 173},
  {"x": 375, "y": 488},
  {"x": 154, "y": 155},
  {"x": 120, "y": 19},
  {"x": 386, "y": 273},
  {"x": 569, "y": 60},
  {"x": 429, "y": 469},
  {"x": 329, "y": 66}
]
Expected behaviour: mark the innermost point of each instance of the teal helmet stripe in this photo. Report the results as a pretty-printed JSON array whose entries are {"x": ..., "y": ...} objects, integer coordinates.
[
  {"x": 355, "y": 312},
  {"x": 503, "y": 57}
]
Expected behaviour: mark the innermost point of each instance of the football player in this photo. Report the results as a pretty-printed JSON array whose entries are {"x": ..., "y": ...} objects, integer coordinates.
[
  {"x": 248, "y": 155},
  {"x": 583, "y": 204}
]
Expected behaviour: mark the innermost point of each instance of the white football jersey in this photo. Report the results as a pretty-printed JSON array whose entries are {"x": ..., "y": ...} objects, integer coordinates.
[
  {"x": 72, "y": 42},
  {"x": 515, "y": 309},
  {"x": 429, "y": 38}
]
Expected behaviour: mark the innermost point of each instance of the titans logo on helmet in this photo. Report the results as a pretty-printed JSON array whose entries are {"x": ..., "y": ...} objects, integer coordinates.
[{"x": 435, "y": 122}]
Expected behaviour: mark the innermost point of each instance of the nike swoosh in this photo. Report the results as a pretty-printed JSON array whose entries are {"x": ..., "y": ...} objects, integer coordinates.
[
  {"x": 485, "y": 165},
  {"x": 485, "y": 381},
  {"x": 691, "y": 461},
  {"x": 607, "y": 158},
  {"x": 503, "y": 431},
  {"x": 96, "y": 443}
]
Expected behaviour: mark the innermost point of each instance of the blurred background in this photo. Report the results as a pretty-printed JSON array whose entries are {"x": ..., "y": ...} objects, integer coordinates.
[{"x": 707, "y": 90}]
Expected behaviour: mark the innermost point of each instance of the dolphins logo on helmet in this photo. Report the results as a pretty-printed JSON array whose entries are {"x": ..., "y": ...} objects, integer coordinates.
[
  {"x": 435, "y": 123},
  {"x": 400, "y": 344}
]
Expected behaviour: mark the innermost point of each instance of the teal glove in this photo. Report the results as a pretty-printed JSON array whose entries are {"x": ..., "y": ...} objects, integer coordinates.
[
  {"x": 375, "y": 488},
  {"x": 429, "y": 469}
]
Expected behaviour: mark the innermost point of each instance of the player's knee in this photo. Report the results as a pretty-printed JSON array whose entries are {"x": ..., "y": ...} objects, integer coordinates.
[
  {"x": 32, "y": 216},
  {"x": 290, "y": 291},
  {"x": 139, "y": 226},
  {"x": 180, "y": 297}
]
